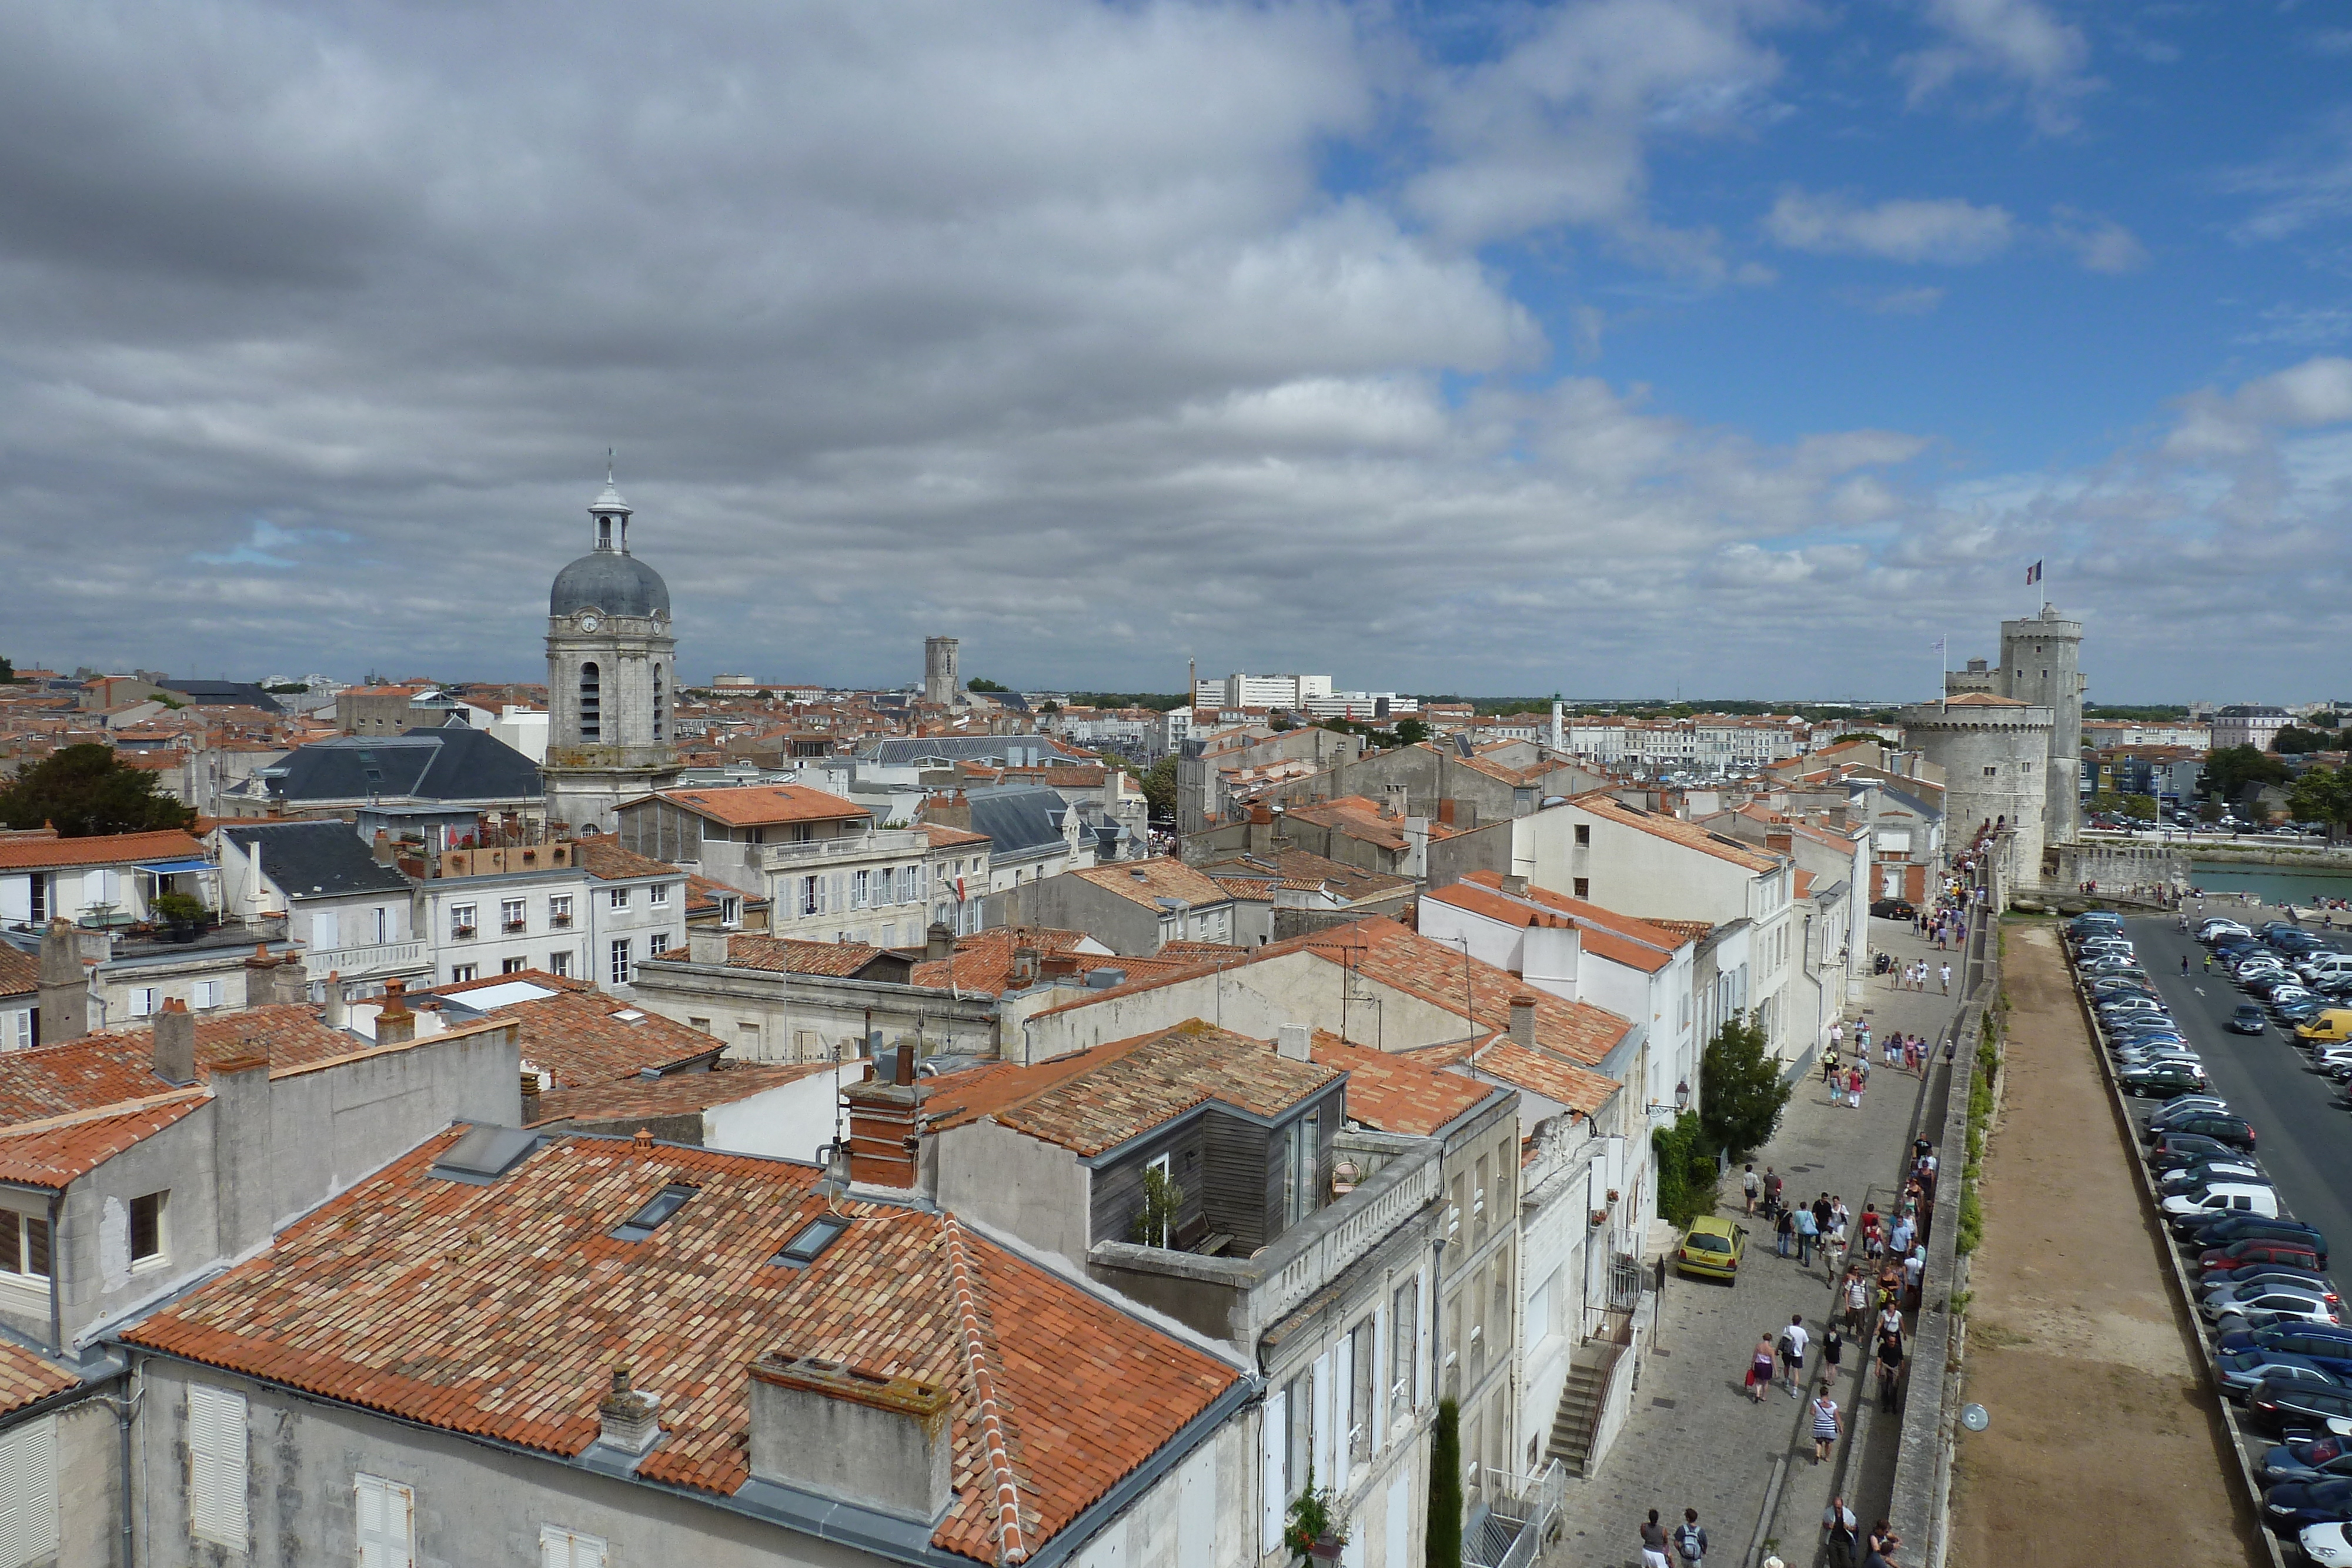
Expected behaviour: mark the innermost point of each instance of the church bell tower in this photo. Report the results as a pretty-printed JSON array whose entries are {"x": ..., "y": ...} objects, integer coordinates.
[{"x": 611, "y": 678}]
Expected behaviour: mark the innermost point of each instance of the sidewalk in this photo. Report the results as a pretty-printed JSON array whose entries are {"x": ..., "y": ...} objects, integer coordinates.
[{"x": 1694, "y": 1438}]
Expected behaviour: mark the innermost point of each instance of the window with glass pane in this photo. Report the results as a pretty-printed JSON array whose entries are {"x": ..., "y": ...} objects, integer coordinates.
[{"x": 1404, "y": 1340}]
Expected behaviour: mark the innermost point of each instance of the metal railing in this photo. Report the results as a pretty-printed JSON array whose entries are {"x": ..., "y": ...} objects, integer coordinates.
[
  {"x": 852, "y": 846},
  {"x": 1520, "y": 1511},
  {"x": 350, "y": 963}
]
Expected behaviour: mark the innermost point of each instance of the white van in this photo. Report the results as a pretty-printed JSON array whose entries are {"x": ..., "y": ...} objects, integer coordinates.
[
  {"x": 2320, "y": 966},
  {"x": 2237, "y": 1196}
]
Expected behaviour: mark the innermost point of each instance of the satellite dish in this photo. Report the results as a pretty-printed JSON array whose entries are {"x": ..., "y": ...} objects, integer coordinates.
[{"x": 1975, "y": 1417}]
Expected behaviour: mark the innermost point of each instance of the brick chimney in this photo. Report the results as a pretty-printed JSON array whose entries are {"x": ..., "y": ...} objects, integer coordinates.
[
  {"x": 1523, "y": 1019},
  {"x": 175, "y": 1043},
  {"x": 627, "y": 1418},
  {"x": 1779, "y": 839},
  {"x": 395, "y": 1025},
  {"x": 947, "y": 811},
  {"x": 274, "y": 979},
  {"x": 883, "y": 1120},
  {"x": 65, "y": 986}
]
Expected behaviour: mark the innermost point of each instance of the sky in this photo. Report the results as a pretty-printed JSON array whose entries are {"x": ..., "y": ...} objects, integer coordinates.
[{"x": 1720, "y": 348}]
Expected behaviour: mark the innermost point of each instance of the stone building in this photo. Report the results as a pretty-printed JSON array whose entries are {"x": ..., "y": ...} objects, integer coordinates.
[
  {"x": 611, "y": 678},
  {"x": 940, "y": 683},
  {"x": 2041, "y": 666},
  {"x": 1996, "y": 754}
]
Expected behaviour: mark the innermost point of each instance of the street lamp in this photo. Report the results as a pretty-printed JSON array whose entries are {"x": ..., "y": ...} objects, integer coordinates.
[{"x": 1682, "y": 1095}]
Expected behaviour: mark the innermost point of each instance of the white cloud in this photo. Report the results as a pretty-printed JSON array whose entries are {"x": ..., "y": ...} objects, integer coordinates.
[
  {"x": 2020, "y": 44},
  {"x": 1947, "y": 230},
  {"x": 2214, "y": 425},
  {"x": 2100, "y": 243},
  {"x": 2308, "y": 185},
  {"x": 1902, "y": 302}
]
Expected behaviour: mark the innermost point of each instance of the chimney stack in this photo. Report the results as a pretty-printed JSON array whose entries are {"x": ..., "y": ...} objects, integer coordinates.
[
  {"x": 1523, "y": 1019},
  {"x": 706, "y": 945},
  {"x": 175, "y": 1044},
  {"x": 65, "y": 986},
  {"x": 1393, "y": 797},
  {"x": 530, "y": 1097},
  {"x": 829, "y": 1430},
  {"x": 1294, "y": 1041},
  {"x": 627, "y": 1418},
  {"x": 1261, "y": 829},
  {"x": 1026, "y": 966},
  {"x": 1779, "y": 839},
  {"x": 338, "y": 1012},
  {"x": 386, "y": 851},
  {"x": 395, "y": 1025},
  {"x": 938, "y": 940}
]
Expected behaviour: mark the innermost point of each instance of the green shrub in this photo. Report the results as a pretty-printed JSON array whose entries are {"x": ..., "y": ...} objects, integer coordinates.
[{"x": 1686, "y": 1171}]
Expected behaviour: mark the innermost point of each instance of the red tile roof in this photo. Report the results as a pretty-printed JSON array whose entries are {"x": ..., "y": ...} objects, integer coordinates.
[
  {"x": 676, "y": 1095},
  {"x": 578, "y": 1037},
  {"x": 1301, "y": 870},
  {"x": 785, "y": 955},
  {"x": 1539, "y": 1071},
  {"x": 703, "y": 895},
  {"x": 1147, "y": 882},
  {"x": 20, "y": 973},
  {"x": 1359, "y": 818},
  {"x": 500, "y": 1311},
  {"x": 55, "y": 1152},
  {"x": 1397, "y": 1093},
  {"x": 984, "y": 961},
  {"x": 101, "y": 849},
  {"x": 1644, "y": 944},
  {"x": 766, "y": 805},
  {"x": 109, "y": 1069},
  {"x": 945, "y": 838},
  {"x": 26, "y": 1377},
  {"x": 1095, "y": 1100},
  {"x": 601, "y": 856}
]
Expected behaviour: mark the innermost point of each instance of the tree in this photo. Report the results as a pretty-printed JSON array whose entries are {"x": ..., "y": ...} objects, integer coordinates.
[
  {"x": 2321, "y": 796},
  {"x": 86, "y": 790},
  {"x": 1155, "y": 1222},
  {"x": 2139, "y": 808},
  {"x": 2229, "y": 770},
  {"x": 7, "y": 672},
  {"x": 2293, "y": 742},
  {"x": 1444, "y": 1541},
  {"x": 1051, "y": 707},
  {"x": 1412, "y": 731},
  {"x": 1159, "y": 787},
  {"x": 1743, "y": 1090},
  {"x": 980, "y": 684},
  {"x": 2107, "y": 803}
]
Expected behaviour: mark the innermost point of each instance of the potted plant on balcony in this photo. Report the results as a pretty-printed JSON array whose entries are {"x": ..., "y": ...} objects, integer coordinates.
[
  {"x": 1312, "y": 1534},
  {"x": 1155, "y": 1222},
  {"x": 184, "y": 915}
]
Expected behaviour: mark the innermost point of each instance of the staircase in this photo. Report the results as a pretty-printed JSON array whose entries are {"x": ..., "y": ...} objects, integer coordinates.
[{"x": 1573, "y": 1425}]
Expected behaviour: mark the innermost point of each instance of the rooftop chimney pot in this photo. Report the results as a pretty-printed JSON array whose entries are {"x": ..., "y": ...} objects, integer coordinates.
[
  {"x": 1523, "y": 1019},
  {"x": 175, "y": 1043}
]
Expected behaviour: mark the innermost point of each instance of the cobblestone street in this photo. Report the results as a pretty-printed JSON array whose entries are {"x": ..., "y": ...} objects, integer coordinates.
[{"x": 1694, "y": 1438}]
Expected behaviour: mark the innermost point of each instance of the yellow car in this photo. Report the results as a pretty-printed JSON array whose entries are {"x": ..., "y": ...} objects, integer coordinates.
[{"x": 1712, "y": 1246}]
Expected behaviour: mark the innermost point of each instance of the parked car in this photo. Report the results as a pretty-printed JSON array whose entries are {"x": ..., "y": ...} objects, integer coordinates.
[
  {"x": 2233, "y": 1227},
  {"x": 1712, "y": 1248},
  {"x": 2162, "y": 1079},
  {"x": 2309, "y": 1291},
  {"x": 2174, "y": 1150},
  {"x": 2329, "y": 1545},
  {"x": 2332, "y": 1027},
  {"x": 2318, "y": 1284},
  {"x": 2242, "y": 1371},
  {"x": 2252, "y": 1253},
  {"x": 2329, "y": 1344},
  {"x": 2306, "y": 1459},
  {"x": 2183, "y": 1209},
  {"x": 1894, "y": 909},
  {"x": 2188, "y": 1179},
  {"x": 2283, "y": 1406},
  {"x": 2218, "y": 1126},
  {"x": 2286, "y": 1509}
]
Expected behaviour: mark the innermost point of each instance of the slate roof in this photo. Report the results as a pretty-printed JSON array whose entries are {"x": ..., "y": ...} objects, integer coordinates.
[
  {"x": 33, "y": 851},
  {"x": 910, "y": 750},
  {"x": 224, "y": 694},
  {"x": 450, "y": 763},
  {"x": 315, "y": 860},
  {"x": 1095, "y": 1100},
  {"x": 502, "y": 1311},
  {"x": 1019, "y": 819}
]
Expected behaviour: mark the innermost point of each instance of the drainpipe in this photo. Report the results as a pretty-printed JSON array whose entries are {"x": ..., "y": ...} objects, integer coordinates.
[{"x": 57, "y": 1312}]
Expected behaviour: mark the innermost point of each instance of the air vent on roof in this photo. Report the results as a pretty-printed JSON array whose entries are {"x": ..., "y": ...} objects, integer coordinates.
[
  {"x": 810, "y": 1240},
  {"x": 484, "y": 1154},
  {"x": 657, "y": 1208},
  {"x": 1139, "y": 875}
]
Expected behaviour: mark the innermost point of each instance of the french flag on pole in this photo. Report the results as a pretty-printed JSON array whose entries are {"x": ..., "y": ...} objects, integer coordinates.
[{"x": 2033, "y": 574}]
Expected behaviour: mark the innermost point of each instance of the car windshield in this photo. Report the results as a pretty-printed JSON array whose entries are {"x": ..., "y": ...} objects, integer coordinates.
[{"x": 1703, "y": 1242}]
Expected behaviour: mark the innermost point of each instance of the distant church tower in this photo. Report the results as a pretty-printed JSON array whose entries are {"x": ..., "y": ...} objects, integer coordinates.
[{"x": 611, "y": 678}]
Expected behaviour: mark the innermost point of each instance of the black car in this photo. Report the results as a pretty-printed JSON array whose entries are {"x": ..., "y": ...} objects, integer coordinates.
[
  {"x": 2247, "y": 1018},
  {"x": 2290, "y": 1508},
  {"x": 2282, "y": 1408},
  {"x": 2218, "y": 1125},
  {"x": 2228, "y": 1227},
  {"x": 1894, "y": 909},
  {"x": 2160, "y": 1083},
  {"x": 2178, "y": 1149}
]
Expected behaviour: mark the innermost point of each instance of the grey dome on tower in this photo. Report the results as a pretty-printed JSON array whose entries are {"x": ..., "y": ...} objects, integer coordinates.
[{"x": 615, "y": 583}]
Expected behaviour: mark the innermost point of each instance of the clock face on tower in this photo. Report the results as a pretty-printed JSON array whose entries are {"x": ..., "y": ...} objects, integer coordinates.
[{"x": 588, "y": 622}]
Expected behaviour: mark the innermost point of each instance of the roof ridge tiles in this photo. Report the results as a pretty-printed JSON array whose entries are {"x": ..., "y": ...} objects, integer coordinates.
[{"x": 1005, "y": 1491}]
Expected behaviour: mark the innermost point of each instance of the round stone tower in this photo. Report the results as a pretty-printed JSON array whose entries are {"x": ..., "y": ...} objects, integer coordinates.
[
  {"x": 611, "y": 679},
  {"x": 2041, "y": 664},
  {"x": 939, "y": 671},
  {"x": 1995, "y": 754}
]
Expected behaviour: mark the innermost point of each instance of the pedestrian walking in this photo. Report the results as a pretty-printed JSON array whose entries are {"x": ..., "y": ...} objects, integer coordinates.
[
  {"x": 1793, "y": 1341},
  {"x": 1825, "y": 1424},
  {"x": 1904, "y": 1233},
  {"x": 1806, "y": 1227},
  {"x": 1690, "y": 1541},
  {"x": 1749, "y": 1185},
  {"x": 1853, "y": 1088},
  {"x": 1841, "y": 1532},
  {"x": 1872, "y": 1241},
  {"x": 1948, "y": 978},
  {"x": 1857, "y": 1303},
  {"x": 1834, "y": 1246},
  {"x": 1890, "y": 1366},
  {"x": 1760, "y": 1367},
  {"x": 1833, "y": 1354},
  {"x": 1914, "y": 1270},
  {"x": 1830, "y": 1068},
  {"x": 1784, "y": 1232},
  {"x": 1653, "y": 1542}
]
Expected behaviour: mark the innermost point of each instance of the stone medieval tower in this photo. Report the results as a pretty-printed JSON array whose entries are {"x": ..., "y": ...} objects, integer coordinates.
[
  {"x": 611, "y": 678},
  {"x": 2042, "y": 665}
]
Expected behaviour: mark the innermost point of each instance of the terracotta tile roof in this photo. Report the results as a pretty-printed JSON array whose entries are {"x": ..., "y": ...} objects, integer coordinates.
[
  {"x": 1095, "y": 1100},
  {"x": 1982, "y": 699},
  {"x": 1397, "y": 1093},
  {"x": 601, "y": 855},
  {"x": 1207, "y": 952},
  {"x": 675, "y": 1095},
  {"x": 944, "y": 837},
  {"x": 101, "y": 849},
  {"x": 1804, "y": 884},
  {"x": 984, "y": 961},
  {"x": 20, "y": 972},
  {"x": 766, "y": 805},
  {"x": 1696, "y": 930},
  {"x": 26, "y": 1377},
  {"x": 55, "y": 1152},
  {"x": 703, "y": 894},
  {"x": 108, "y": 1068},
  {"x": 1600, "y": 803},
  {"x": 534, "y": 977},
  {"x": 785, "y": 955},
  {"x": 1306, "y": 872},
  {"x": 500, "y": 1311},
  {"x": 1147, "y": 882},
  {"x": 1360, "y": 819},
  {"x": 1646, "y": 945},
  {"x": 580, "y": 1037},
  {"x": 1539, "y": 1071}
]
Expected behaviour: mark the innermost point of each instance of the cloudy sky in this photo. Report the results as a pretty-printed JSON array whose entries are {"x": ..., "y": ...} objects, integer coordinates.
[{"x": 1738, "y": 347}]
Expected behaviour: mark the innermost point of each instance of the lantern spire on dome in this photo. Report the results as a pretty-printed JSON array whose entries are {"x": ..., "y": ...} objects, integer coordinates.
[{"x": 611, "y": 513}]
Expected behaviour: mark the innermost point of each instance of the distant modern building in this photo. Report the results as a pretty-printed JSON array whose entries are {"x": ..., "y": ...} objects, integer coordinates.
[{"x": 2249, "y": 723}]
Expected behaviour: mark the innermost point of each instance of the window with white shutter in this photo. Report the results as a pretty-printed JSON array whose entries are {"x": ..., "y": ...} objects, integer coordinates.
[
  {"x": 561, "y": 1547},
  {"x": 28, "y": 1494},
  {"x": 217, "y": 1466},
  {"x": 386, "y": 1516}
]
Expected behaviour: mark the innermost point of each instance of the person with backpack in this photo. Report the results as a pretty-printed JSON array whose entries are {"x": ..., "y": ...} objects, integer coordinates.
[
  {"x": 1793, "y": 1341},
  {"x": 1690, "y": 1541}
]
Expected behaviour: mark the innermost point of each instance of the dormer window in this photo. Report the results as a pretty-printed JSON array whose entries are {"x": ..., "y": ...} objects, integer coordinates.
[{"x": 657, "y": 1208}]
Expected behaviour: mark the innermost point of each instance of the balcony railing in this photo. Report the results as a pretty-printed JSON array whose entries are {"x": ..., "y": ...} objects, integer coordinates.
[
  {"x": 353, "y": 963},
  {"x": 853, "y": 846}
]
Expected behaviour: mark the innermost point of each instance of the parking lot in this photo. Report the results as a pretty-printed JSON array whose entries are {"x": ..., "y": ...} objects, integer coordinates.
[{"x": 2271, "y": 1170}]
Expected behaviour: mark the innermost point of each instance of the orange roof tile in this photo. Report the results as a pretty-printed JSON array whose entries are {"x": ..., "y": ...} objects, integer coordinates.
[
  {"x": 1539, "y": 1071},
  {"x": 98, "y": 849},
  {"x": 26, "y": 1377},
  {"x": 1303, "y": 870},
  {"x": 944, "y": 837},
  {"x": 580, "y": 1037},
  {"x": 786, "y": 955},
  {"x": 20, "y": 972},
  {"x": 101, "y": 1069},
  {"x": 601, "y": 855},
  {"x": 766, "y": 805},
  {"x": 1095, "y": 1100},
  {"x": 54, "y": 1151},
  {"x": 983, "y": 960},
  {"x": 1360, "y": 819},
  {"x": 1394, "y": 1093},
  {"x": 1646, "y": 945},
  {"x": 1147, "y": 882},
  {"x": 1600, "y": 803},
  {"x": 675, "y": 1095},
  {"x": 500, "y": 1311}
]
